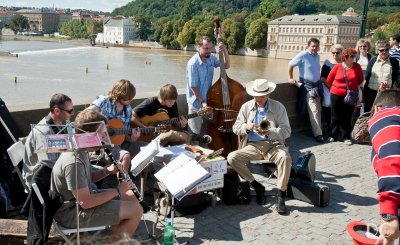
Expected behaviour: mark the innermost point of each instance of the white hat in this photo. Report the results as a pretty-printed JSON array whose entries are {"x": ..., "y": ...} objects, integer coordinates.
[{"x": 260, "y": 87}]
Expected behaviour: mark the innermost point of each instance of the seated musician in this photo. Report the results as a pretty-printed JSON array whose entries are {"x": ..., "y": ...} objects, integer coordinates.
[
  {"x": 61, "y": 110},
  {"x": 72, "y": 178},
  {"x": 117, "y": 105},
  {"x": 150, "y": 111},
  {"x": 263, "y": 142}
]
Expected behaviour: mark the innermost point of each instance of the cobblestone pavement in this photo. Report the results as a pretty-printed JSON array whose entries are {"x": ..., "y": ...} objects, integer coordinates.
[{"x": 345, "y": 169}]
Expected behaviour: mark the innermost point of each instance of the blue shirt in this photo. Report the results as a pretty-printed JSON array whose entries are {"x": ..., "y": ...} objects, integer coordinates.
[
  {"x": 199, "y": 74},
  {"x": 261, "y": 115},
  {"x": 109, "y": 110},
  {"x": 309, "y": 66}
]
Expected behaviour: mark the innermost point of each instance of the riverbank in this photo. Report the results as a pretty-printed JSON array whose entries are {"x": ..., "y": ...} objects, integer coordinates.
[{"x": 78, "y": 42}]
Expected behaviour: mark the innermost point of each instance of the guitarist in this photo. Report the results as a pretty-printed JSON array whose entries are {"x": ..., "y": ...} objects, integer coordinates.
[
  {"x": 116, "y": 104},
  {"x": 166, "y": 101}
]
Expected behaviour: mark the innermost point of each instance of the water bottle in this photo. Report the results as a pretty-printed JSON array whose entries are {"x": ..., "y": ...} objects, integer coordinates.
[{"x": 169, "y": 233}]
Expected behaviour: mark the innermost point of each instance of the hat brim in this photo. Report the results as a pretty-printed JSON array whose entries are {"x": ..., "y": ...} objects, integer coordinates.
[{"x": 250, "y": 91}]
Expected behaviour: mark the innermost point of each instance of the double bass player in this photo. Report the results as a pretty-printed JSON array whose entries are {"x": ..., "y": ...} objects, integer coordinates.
[{"x": 199, "y": 76}]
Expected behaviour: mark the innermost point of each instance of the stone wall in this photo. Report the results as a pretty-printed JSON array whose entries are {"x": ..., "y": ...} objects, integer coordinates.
[{"x": 285, "y": 93}]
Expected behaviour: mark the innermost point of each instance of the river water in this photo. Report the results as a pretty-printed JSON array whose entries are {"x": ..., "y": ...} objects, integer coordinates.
[{"x": 44, "y": 68}]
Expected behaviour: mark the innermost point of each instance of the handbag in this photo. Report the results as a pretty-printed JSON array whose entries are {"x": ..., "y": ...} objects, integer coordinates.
[
  {"x": 351, "y": 97},
  {"x": 360, "y": 132}
]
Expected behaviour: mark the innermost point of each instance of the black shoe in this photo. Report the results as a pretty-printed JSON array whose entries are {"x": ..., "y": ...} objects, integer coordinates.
[
  {"x": 319, "y": 138},
  {"x": 280, "y": 202},
  {"x": 280, "y": 205},
  {"x": 260, "y": 192},
  {"x": 202, "y": 139}
]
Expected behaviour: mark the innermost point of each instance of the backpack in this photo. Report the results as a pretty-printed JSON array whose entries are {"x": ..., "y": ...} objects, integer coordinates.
[
  {"x": 189, "y": 205},
  {"x": 304, "y": 167},
  {"x": 360, "y": 132}
]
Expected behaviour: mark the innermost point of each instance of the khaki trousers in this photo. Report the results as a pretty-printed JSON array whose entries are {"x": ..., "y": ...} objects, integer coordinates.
[
  {"x": 259, "y": 151},
  {"x": 314, "y": 112}
]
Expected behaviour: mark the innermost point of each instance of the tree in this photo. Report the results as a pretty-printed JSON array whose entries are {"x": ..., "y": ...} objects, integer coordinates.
[
  {"x": 143, "y": 26},
  {"x": 186, "y": 11},
  {"x": 268, "y": 7},
  {"x": 395, "y": 17},
  {"x": 188, "y": 33},
  {"x": 18, "y": 22},
  {"x": 373, "y": 21},
  {"x": 234, "y": 34},
  {"x": 256, "y": 37}
]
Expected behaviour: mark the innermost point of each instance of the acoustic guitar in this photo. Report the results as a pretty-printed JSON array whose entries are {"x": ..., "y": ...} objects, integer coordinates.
[
  {"x": 117, "y": 131},
  {"x": 161, "y": 119}
]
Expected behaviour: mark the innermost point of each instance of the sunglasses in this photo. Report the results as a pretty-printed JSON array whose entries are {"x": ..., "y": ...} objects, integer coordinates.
[
  {"x": 335, "y": 53},
  {"x": 383, "y": 50},
  {"x": 69, "y": 111},
  {"x": 352, "y": 56}
]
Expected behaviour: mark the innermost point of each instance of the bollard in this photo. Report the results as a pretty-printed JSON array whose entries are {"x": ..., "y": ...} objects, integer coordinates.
[
  {"x": 15, "y": 79},
  {"x": 87, "y": 70}
]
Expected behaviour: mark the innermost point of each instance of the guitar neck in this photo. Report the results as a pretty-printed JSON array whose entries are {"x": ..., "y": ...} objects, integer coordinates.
[
  {"x": 128, "y": 131},
  {"x": 175, "y": 120}
]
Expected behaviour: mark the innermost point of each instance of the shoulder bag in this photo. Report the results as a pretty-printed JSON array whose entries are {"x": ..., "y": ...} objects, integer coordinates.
[{"x": 351, "y": 97}]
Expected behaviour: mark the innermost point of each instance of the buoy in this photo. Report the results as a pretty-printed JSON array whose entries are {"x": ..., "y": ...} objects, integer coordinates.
[
  {"x": 107, "y": 67},
  {"x": 15, "y": 79},
  {"x": 87, "y": 70}
]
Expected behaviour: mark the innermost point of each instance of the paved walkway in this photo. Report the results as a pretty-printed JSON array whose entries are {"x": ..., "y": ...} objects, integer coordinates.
[{"x": 345, "y": 169}]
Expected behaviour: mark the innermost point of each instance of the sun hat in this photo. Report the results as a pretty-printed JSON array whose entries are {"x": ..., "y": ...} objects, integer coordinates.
[{"x": 260, "y": 87}]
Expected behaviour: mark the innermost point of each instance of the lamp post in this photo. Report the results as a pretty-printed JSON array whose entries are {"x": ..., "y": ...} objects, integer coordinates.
[{"x": 364, "y": 19}]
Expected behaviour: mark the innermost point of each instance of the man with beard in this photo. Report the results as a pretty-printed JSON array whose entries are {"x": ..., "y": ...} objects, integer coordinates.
[{"x": 199, "y": 75}]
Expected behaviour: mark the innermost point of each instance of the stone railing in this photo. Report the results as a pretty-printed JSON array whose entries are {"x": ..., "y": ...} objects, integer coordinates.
[{"x": 285, "y": 93}]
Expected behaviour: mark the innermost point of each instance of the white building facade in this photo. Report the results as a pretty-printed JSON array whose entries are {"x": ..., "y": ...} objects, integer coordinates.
[
  {"x": 288, "y": 35},
  {"x": 118, "y": 31}
]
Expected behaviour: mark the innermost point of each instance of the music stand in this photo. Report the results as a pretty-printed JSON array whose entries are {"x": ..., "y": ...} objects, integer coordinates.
[{"x": 180, "y": 177}]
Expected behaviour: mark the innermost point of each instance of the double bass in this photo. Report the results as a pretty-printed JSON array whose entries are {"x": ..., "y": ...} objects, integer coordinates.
[{"x": 226, "y": 96}]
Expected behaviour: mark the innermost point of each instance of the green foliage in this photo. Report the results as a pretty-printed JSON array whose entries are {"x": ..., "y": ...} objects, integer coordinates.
[
  {"x": 373, "y": 21},
  {"x": 387, "y": 31},
  {"x": 177, "y": 23},
  {"x": 143, "y": 26},
  {"x": 395, "y": 17},
  {"x": 80, "y": 28},
  {"x": 170, "y": 33},
  {"x": 268, "y": 7},
  {"x": 234, "y": 33},
  {"x": 256, "y": 37},
  {"x": 18, "y": 22}
]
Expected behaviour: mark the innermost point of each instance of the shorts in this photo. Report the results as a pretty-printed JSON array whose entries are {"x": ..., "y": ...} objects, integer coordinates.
[{"x": 105, "y": 214}]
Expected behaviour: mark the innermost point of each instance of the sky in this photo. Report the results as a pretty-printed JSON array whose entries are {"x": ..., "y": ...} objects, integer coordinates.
[{"x": 99, "y": 5}]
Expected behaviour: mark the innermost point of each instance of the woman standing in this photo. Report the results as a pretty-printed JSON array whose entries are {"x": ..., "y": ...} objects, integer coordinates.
[
  {"x": 363, "y": 56},
  {"x": 336, "y": 58},
  {"x": 347, "y": 72},
  {"x": 382, "y": 73}
]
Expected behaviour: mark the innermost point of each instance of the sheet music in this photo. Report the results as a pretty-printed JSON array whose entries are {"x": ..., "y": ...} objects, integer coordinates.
[
  {"x": 143, "y": 158},
  {"x": 181, "y": 175}
]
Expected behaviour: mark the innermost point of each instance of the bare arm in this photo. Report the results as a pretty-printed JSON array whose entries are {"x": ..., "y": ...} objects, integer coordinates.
[
  {"x": 196, "y": 93},
  {"x": 290, "y": 74},
  {"x": 90, "y": 200},
  {"x": 136, "y": 120}
]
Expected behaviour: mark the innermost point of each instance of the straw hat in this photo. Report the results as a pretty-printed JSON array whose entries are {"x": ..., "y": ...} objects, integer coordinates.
[{"x": 260, "y": 87}]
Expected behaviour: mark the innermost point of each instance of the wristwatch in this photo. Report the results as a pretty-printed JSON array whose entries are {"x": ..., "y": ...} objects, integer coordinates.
[{"x": 388, "y": 217}]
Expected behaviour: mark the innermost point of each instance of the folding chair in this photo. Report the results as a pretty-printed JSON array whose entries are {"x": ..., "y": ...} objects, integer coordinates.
[
  {"x": 64, "y": 232},
  {"x": 16, "y": 153}
]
